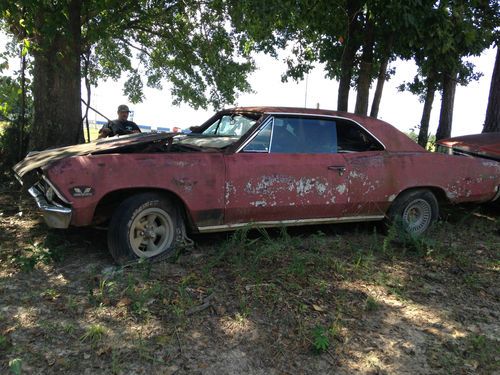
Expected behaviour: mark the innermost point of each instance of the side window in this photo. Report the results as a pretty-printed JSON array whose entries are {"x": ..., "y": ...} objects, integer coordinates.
[
  {"x": 261, "y": 141},
  {"x": 304, "y": 136},
  {"x": 353, "y": 138}
]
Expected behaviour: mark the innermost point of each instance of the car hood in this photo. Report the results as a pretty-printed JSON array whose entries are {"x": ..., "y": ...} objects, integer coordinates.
[
  {"x": 485, "y": 144},
  {"x": 37, "y": 159}
]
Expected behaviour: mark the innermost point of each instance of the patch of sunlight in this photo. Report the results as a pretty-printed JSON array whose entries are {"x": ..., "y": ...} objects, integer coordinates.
[
  {"x": 405, "y": 327},
  {"x": 236, "y": 325},
  {"x": 27, "y": 317}
]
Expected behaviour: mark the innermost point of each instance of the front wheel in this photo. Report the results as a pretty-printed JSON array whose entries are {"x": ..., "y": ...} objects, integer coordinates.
[
  {"x": 144, "y": 226},
  {"x": 416, "y": 210}
]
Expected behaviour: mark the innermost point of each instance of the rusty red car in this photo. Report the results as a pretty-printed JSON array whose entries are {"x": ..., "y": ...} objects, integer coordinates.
[{"x": 252, "y": 166}]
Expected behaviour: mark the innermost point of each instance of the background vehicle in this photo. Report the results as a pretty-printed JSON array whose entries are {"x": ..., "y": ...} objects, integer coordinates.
[{"x": 485, "y": 145}]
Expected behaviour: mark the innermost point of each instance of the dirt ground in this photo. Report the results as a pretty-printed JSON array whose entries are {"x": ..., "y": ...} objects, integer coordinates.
[{"x": 338, "y": 299}]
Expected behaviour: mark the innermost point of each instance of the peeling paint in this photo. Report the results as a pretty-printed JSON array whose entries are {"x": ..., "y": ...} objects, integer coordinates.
[
  {"x": 355, "y": 174},
  {"x": 269, "y": 185},
  {"x": 259, "y": 204},
  {"x": 230, "y": 189},
  {"x": 341, "y": 188},
  {"x": 392, "y": 197}
]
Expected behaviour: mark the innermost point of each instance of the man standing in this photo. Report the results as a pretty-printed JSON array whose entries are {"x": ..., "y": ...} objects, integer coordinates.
[{"x": 120, "y": 126}]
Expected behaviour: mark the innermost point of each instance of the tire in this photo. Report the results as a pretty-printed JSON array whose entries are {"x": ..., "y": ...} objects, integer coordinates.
[
  {"x": 415, "y": 210},
  {"x": 143, "y": 226}
]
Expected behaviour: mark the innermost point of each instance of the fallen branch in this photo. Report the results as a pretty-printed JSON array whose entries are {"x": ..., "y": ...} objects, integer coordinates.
[{"x": 207, "y": 302}]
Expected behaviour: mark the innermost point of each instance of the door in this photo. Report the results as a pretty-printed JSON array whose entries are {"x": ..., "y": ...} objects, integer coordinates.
[{"x": 289, "y": 172}]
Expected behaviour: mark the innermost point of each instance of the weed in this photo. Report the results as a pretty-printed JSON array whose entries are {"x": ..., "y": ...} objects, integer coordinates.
[
  {"x": 145, "y": 266},
  {"x": 335, "y": 330},
  {"x": 323, "y": 286},
  {"x": 320, "y": 340},
  {"x": 4, "y": 343},
  {"x": 15, "y": 366},
  {"x": 371, "y": 304},
  {"x": 36, "y": 253},
  {"x": 422, "y": 245},
  {"x": 338, "y": 266},
  {"x": 393, "y": 284},
  {"x": 318, "y": 241},
  {"x": 472, "y": 280},
  {"x": 94, "y": 333},
  {"x": 51, "y": 294},
  {"x": 298, "y": 265},
  {"x": 68, "y": 328},
  {"x": 240, "y": 318},
  {"x": 71, "y": 303},
  {"x": 115, "y": 362}
]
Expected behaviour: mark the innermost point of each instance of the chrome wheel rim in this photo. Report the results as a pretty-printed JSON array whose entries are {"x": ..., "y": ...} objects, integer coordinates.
[
  {"x": 151, "y": 233},
  {"x": 417, "y": 216}
]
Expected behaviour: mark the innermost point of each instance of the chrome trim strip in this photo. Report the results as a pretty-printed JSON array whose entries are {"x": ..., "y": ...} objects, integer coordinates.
[
  {"x": 262, "y": 126},
  {"x": 55, "y": 190},
  {"x": 328, "y": 220},
  {"x": 18, "y": 178},
  {"x": 272, "y": 136},
  {"x": 497, "y": 195},
  {"x": 55, "y": 216},
  {"x": 328, "y": 116}
]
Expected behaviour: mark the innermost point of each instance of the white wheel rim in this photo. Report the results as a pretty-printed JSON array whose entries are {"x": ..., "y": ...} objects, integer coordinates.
[
  {"x": 417, "y": 216},
  {"x": 151, "y": 232}
]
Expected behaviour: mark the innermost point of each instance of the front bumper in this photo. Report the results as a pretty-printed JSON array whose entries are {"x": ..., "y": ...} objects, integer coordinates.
[{"x": 54, "y": 215}]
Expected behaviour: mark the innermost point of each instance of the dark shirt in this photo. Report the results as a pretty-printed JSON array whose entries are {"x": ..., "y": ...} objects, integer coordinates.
[{"x": 118, "y": 127}]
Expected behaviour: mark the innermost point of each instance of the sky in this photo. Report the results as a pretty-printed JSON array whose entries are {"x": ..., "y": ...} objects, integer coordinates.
[{"x": 400, "y": 109}]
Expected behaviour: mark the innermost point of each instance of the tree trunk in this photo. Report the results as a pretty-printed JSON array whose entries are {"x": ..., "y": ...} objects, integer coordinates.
[
  {"x": 365, "y": 73},
  {"x": 447, "y": 102},
  {"x": 492, "y": 121},
  {"x": 380, "y": 87},
  {"x": 348, "y": 56},
  {"x": 57, "y": 87},
  {"x": 381, "y": 77},
  {"x": 423, "y": 134}
]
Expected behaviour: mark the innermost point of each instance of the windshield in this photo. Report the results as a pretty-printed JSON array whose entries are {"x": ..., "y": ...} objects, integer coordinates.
[{"x": 230, "y": 125}]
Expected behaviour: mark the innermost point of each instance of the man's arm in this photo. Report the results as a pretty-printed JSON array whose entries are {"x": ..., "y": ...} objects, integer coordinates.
[
  {"x": 106, "y": 131},
  {"x": 103, "y": 133},
  {"x": 135, "y": 128}
]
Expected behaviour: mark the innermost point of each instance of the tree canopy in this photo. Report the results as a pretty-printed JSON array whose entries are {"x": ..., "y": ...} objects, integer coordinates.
[
  {"x": 203, "y": 49},
  {"x": 189, "y": 43}
]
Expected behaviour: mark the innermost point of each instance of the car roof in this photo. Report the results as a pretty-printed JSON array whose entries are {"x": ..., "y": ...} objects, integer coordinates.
[{"x": 388, "y": 135}]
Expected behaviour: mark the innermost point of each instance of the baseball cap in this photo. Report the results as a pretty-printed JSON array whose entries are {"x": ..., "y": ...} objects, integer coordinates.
[{"x": 123, "y": 108}]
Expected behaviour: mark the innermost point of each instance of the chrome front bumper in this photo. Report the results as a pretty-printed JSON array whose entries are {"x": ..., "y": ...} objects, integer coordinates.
[{"x": 54, "y": 215}]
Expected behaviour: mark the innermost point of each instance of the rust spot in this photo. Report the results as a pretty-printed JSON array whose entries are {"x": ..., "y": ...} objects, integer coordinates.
[
  {"x": 209, "y": 217},
  {"x": 184, "y": 183}
]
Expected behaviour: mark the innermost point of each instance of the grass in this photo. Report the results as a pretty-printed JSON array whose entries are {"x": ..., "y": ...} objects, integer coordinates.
[
  {"x": 94, "y": 334},
  {"x": 291, "y": 292}
]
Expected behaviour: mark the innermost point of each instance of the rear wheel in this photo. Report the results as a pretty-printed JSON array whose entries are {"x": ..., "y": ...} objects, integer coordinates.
[
  {"x": 144, "y": 226},
  {"x": 415, "y": 210}
]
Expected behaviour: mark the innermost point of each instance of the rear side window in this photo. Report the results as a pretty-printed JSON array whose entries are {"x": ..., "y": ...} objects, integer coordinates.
[{"x": 353, "y": 138}]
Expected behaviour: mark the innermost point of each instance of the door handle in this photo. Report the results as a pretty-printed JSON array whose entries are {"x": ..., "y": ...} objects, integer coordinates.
[{"x": 338, "y": 168}]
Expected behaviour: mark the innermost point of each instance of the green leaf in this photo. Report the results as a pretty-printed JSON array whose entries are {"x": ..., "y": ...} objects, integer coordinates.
[{"x": 15, "y": 366}]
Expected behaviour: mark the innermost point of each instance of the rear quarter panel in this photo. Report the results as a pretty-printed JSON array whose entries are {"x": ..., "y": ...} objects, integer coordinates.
[{"x": 462, "y": 179}]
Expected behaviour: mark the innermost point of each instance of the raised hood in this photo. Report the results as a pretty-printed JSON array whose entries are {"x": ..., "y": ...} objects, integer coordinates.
[{"x": 37, "y": 159}]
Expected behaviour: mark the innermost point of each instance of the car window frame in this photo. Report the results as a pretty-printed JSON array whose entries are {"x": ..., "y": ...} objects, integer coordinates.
[{"x": 271, "y": 115}]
